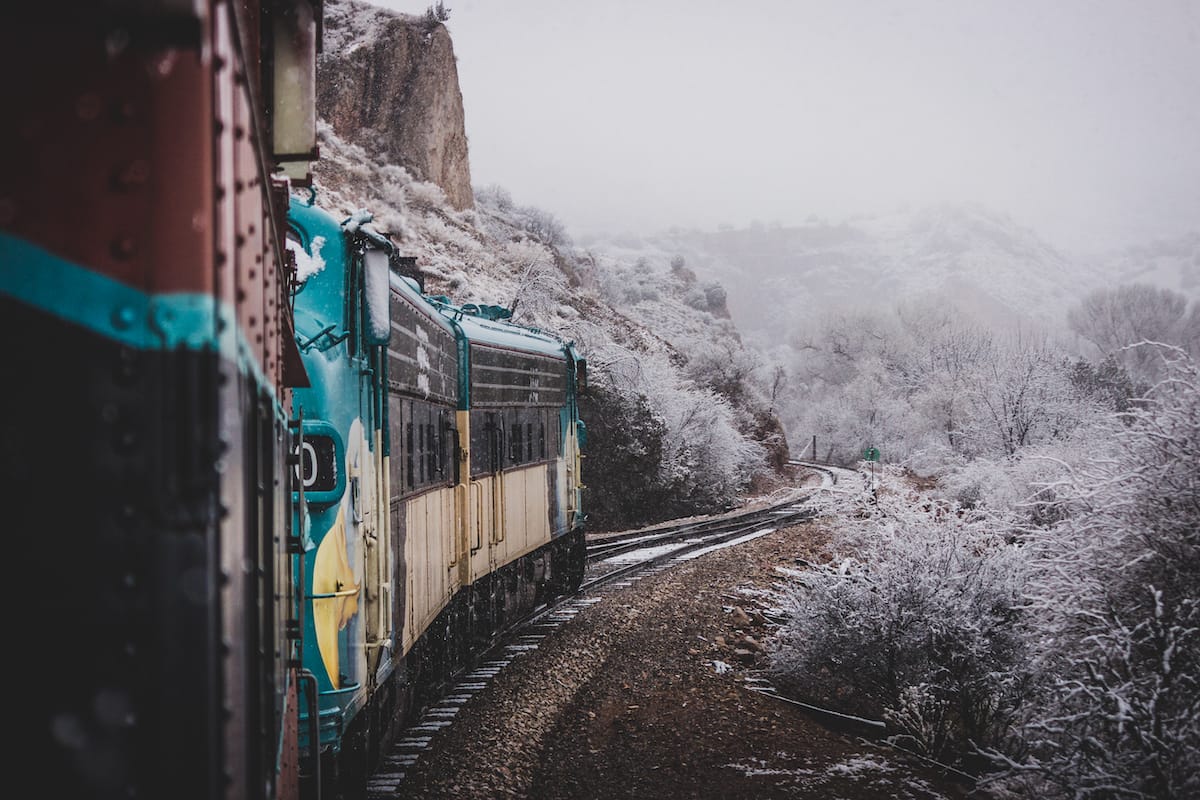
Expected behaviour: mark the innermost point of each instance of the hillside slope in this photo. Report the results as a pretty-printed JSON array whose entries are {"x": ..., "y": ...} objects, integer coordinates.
[{"x": 670, "y": 433}]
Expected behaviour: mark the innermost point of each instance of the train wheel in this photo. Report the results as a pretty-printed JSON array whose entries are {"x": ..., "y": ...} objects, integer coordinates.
[
  {"x": 576, "y": 561},
  {"x": 350, "y": 768}
]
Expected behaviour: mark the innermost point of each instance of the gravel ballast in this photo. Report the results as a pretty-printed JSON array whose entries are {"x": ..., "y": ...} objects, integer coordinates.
[{"x": 645, "y": 695}]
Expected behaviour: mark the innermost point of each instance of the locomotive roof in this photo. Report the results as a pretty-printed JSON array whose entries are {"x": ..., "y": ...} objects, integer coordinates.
[
  {"x": 478, "y": 325},
  {"x": 497, "y": 333}
]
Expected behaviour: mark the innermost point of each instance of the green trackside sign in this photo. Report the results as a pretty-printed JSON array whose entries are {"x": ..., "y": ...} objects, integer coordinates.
[{"x": 871, "y": 454}]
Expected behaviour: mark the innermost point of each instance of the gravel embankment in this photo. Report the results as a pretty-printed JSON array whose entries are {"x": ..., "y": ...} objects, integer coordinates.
[{"x": 625, "y": 701}]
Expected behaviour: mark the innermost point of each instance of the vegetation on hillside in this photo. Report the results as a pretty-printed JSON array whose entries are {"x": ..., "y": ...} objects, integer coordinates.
[{"x": 678, "y": 411}]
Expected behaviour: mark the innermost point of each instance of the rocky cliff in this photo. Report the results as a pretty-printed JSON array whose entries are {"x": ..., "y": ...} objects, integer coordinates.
[{"x": 389, "y": 82}]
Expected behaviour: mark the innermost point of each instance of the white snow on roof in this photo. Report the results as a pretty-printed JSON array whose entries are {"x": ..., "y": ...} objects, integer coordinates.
[{"x": 483, "y": 331}]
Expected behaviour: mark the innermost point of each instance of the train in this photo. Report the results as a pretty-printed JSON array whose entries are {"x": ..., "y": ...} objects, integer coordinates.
[
  {"x": 440, "y": 495},
  {"x": 266, "y": 495}
]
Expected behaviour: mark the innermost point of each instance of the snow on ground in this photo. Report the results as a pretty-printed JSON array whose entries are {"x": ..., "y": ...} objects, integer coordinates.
[
  {"x": 731, "y": 543},
  {"x": 647, "y": 553}
]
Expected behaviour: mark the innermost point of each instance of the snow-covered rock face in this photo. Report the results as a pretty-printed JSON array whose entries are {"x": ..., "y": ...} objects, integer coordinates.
[{"x": 389, "y": 82}]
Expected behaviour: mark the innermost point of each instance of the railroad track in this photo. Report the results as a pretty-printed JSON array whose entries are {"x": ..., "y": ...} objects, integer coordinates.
[
  {"x": 630, "y": 553},
  {"x": 613, "y": 561}
]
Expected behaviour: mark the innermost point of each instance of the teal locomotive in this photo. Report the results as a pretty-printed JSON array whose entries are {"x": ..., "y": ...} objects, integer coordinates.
[
  {"x": 264, "y": 494},
  {"x": 439, "y": 491}
]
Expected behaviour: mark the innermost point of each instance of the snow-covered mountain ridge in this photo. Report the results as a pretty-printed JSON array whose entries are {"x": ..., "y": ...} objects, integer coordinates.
[{"x": 975, "y": 258}]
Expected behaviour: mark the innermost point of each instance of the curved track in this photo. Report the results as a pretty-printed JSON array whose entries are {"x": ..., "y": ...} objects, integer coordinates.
[{"x": 612, "y": 562}]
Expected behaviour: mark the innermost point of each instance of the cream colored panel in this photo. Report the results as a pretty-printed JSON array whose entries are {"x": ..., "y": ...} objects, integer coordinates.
[
  {"x": 482, "y": 527},
  {"x": 429, "y": 552}
]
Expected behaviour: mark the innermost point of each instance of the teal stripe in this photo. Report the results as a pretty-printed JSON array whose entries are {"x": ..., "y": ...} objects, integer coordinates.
[{"x": 174, "y": 321}]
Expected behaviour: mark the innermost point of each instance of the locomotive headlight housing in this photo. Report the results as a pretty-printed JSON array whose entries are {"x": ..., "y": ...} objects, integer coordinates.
[
  {"x": 318, "y": 466},
  {"x": 295, "y": 41}
]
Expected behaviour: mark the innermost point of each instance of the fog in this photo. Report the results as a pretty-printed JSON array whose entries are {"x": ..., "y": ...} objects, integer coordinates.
[{"x": 1079, "y": 118}]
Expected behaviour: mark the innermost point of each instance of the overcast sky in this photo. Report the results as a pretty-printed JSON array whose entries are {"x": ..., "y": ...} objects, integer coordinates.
[{"x": 1080, "y": 118}]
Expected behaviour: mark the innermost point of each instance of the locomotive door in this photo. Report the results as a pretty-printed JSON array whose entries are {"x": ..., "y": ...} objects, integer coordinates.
[
  {"x": 487, "y": 486},
  {"x": 368, "y": 485}
]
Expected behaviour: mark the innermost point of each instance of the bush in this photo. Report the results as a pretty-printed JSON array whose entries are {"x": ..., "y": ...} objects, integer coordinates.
[
  {"x": 918, "y": 628},
  {"x": 1116, "y": 592},
  {"x": 623, "y": 458}
]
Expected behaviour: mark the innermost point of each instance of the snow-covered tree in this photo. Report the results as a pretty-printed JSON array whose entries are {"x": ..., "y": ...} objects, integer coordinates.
[
  {"x": 1115, "y": 595},
  {"x": 912, "y": 622},
  {"x": 1112, "y": 319},
  {"x": 1020, "y": 396}
]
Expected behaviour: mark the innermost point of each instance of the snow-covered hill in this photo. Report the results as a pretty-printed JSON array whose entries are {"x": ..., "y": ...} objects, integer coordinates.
[{"x": 979, "y": 260}]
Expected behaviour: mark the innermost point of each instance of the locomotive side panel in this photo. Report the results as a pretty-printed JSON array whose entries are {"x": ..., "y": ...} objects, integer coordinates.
[
  {"x": 515, "y": 396},
  {"x": 431, "y": 581},
  {"x": 422, "y": 374}
]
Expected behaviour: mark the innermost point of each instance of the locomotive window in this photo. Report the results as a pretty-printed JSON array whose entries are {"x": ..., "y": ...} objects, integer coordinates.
[
  {"x": 425, "y": 433},
  {"x": 515, "y": 453},
  {"x": 485, "y": 442},
  {"x": 542, "y": 439},
  {"x": 408, "y": 454},
  {"x": 529, "y": 441},
  {"x": 420, "y": 452},
  {"x": 431, "y": 454},
  {"x": 446, "y": 447}
]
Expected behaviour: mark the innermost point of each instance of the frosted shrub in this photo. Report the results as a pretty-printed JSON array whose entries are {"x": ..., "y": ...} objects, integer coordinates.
[
  {"x": 917, "y": 629},
  {"x": 923, "y": 714},
  {"x": 543, "y": 226},
  {"x": 1021, "y": 488},
  {"x": 1115, "y": 590},
  {"x": 705, "y": 456},
  {"x": 424, "y": 194},
  {"x": 494, "y": 196}
]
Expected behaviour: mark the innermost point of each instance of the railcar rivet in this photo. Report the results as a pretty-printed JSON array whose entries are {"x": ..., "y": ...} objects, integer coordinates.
[
  {"x": 123, "y": 318},
  {"x": 124, "y": 247},
  {"x": 88, "y": 106},
  {"x": 132, "y": 175},
  {"x": 116, "y": 42}
]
